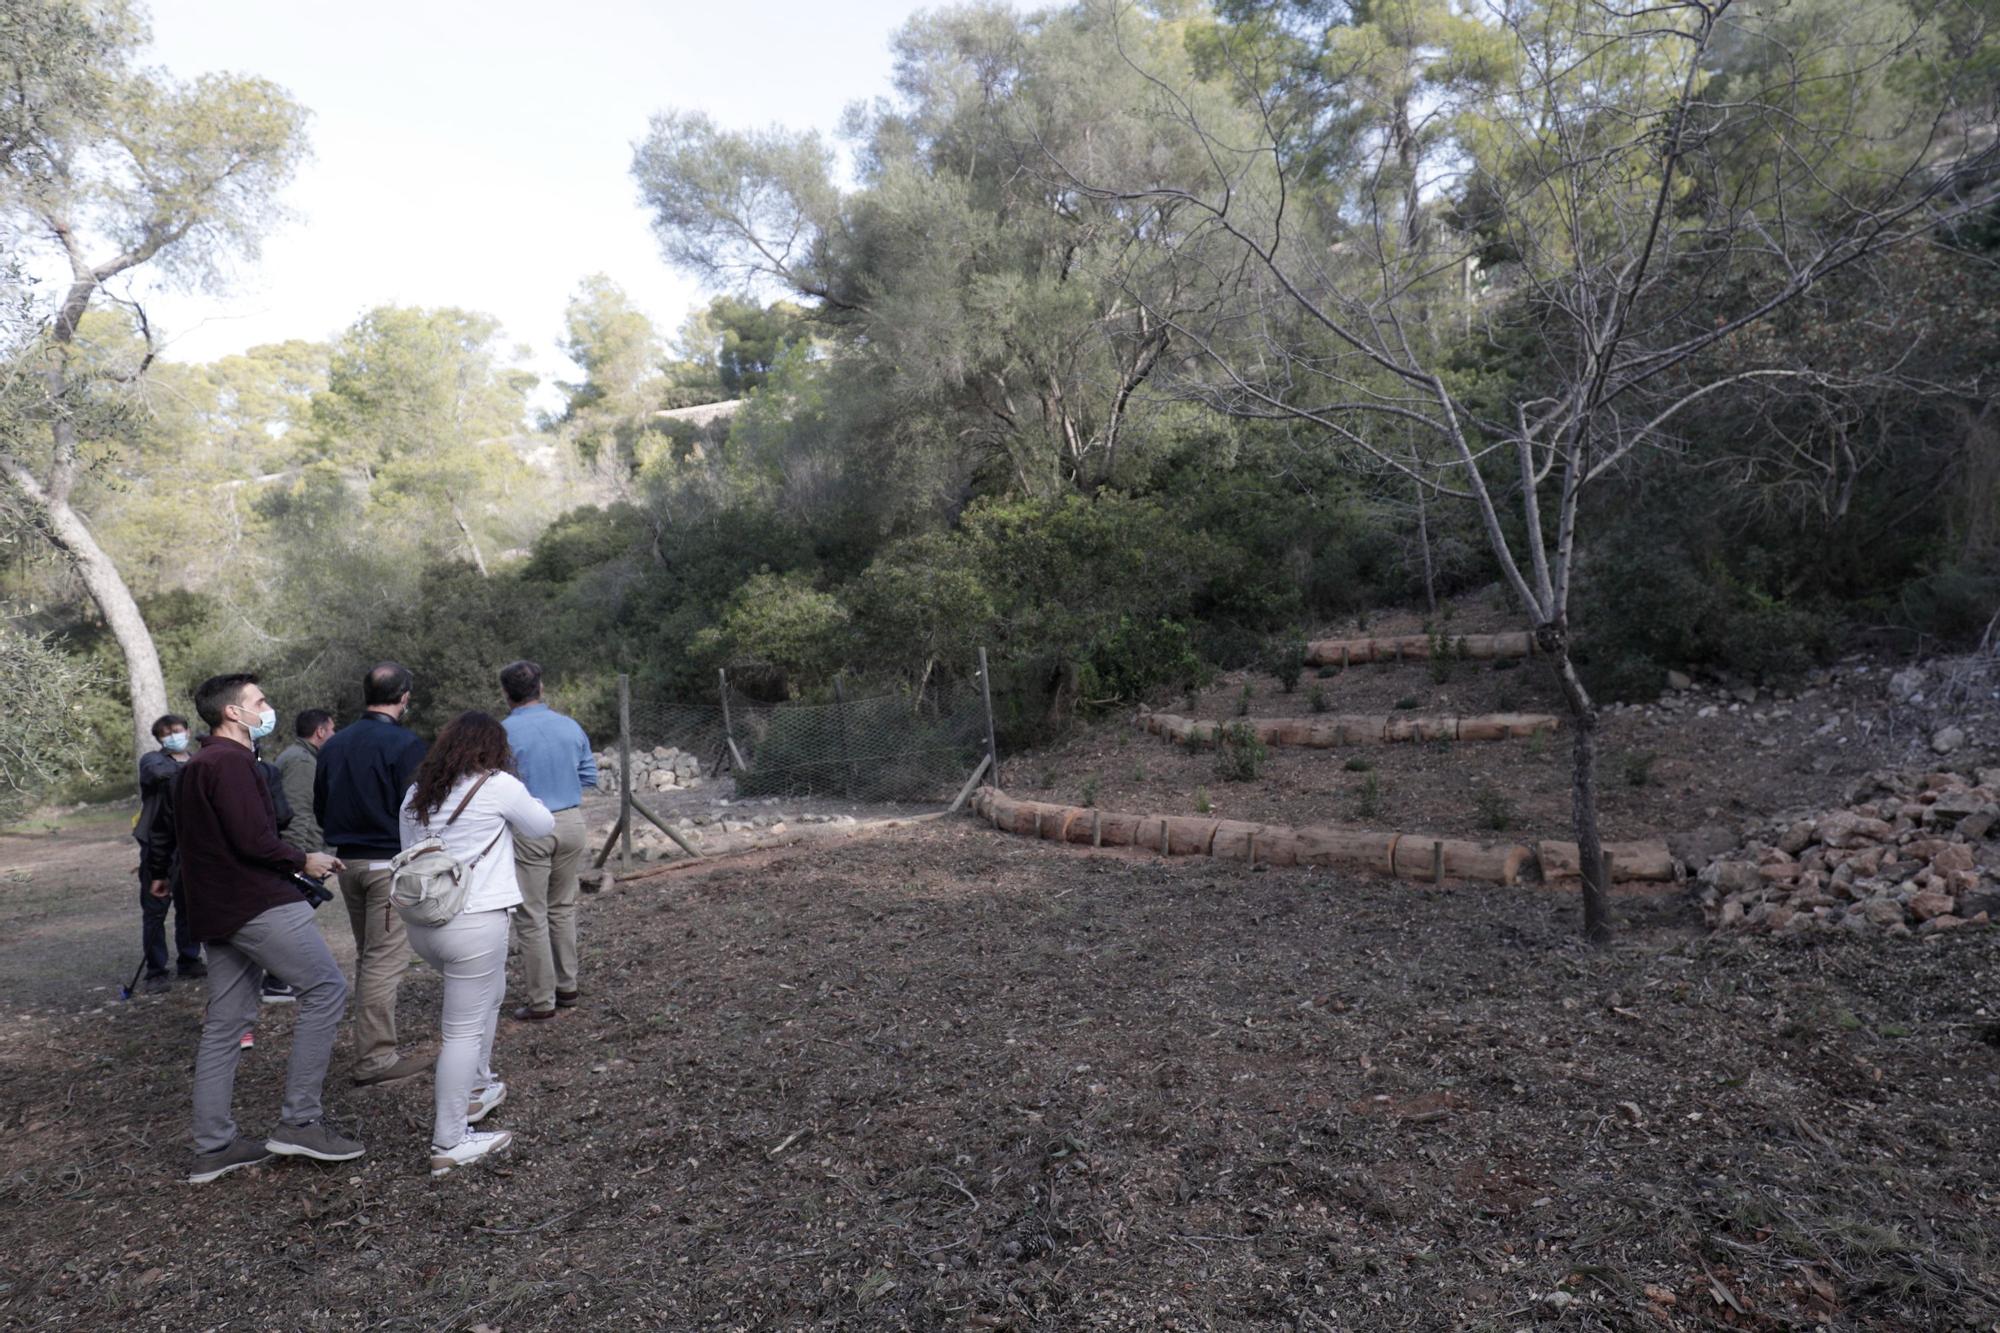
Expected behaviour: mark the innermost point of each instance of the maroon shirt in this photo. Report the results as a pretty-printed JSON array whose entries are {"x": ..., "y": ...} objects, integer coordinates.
[{"x": 234, "y": 865}]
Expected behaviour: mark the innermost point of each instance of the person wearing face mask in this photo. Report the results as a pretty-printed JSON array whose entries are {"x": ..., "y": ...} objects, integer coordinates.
[
  {"x": 364, "y": 769},
  {"x": 159, "y": 889},
  {"x": 244, "y": 905}
]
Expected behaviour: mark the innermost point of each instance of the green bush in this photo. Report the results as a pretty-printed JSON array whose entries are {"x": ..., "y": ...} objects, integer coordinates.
[
  {"x": 1495, "y": 810},
  {"x": 1316, "y": 700},
  {"x": 1368, "y": 797},
  {"x": 1239, "y": 755},
  {"x": 1286, "y": 659}
]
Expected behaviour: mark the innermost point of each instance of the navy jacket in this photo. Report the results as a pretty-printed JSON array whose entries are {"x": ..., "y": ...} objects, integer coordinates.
[
  {"x": 159, "y": 773},
  {"x": 363, "y": 772}
]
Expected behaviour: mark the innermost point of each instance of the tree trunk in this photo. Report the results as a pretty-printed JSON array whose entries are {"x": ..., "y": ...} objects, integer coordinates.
[
  {"x": 478, "y": 559},
  {"x": 1424, "y": 537},
  {"x": 144, "y": 679},
  {"x": 1554, "y": 641}
]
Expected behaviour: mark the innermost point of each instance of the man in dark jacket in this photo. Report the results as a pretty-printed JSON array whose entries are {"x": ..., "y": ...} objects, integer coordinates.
[
  {"x": 153, "y": 831},
  {"x": 243, "y": 904},
  {"x": 364, "y": 769}
]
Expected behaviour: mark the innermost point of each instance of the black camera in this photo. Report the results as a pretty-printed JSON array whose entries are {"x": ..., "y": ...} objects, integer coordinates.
[{"x": 315, "y": 892}]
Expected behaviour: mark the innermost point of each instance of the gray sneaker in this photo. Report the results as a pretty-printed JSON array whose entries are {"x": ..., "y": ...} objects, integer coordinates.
[
  {"x": 214, "y": 1165},
  {"x": 319, "y": 1141}
]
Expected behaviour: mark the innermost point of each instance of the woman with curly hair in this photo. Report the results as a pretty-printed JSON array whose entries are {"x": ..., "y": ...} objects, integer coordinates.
[{"x": 466, "y": 797}]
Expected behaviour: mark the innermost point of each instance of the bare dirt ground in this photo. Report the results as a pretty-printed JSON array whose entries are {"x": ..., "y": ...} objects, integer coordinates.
[
  {"x": 954, "y": 1080},
  {"x": 1663, "y": 767}
]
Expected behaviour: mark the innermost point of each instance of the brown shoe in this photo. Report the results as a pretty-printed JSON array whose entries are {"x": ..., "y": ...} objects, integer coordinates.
[
  {"x": 567, "y": 999},
  {"x": 408, "y": 1066},
  {"x": 527, "y": 1013}
]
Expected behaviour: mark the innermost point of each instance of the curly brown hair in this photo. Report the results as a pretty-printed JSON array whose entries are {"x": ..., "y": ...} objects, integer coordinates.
[{"x": 470, "y": 744}]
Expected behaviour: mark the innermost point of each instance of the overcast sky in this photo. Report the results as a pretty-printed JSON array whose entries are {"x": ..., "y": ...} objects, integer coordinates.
[{"x": 478, "y": 154}]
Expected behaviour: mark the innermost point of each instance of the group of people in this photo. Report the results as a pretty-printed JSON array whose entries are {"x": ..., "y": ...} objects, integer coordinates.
[{"x": 237, "y": 848}]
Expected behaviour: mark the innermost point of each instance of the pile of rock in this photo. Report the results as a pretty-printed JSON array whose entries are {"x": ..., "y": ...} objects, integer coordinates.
[
  {"x": 662, "y": 768},
  {"x": 1911, "y": 851},
  {"x": 714, "y": 832}
]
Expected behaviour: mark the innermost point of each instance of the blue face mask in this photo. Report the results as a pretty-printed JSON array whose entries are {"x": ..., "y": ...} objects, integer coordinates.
[
  {"x": 174, "y": 742},
  {"x": 266, "y": 723}
]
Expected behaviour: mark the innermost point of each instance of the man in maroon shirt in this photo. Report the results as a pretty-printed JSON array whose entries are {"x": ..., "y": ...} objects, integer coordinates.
[{"x": 244, "y": 905}]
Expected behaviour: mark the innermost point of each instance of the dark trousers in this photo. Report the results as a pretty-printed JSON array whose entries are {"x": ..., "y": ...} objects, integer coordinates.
[{"x": 153, "y": 928}]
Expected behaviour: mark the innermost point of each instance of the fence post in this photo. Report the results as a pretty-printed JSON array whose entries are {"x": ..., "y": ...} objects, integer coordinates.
[
  {"x": 986, "y": 693},
  {"x": 840, "y": 723},
  {"x": 624, "y": 773},
  {"x": 734, "y": 755}
]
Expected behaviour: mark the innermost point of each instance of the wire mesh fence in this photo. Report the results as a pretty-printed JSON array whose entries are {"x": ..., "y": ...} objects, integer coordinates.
[{"x": 894, "y": 746}]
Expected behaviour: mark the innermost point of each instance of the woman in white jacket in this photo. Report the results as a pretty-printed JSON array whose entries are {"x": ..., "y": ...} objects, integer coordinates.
[{"x": 465, "y": 797}]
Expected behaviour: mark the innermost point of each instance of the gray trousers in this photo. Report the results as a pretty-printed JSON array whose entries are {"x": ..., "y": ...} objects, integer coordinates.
[
  {"x": 470, "y": 953},
  {"x": 546, "y": 869},
  {"x": 284, "y": 942}
]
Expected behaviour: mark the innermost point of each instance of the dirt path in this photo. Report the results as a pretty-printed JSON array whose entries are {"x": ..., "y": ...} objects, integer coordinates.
[{"x": 952, "y": 1080}]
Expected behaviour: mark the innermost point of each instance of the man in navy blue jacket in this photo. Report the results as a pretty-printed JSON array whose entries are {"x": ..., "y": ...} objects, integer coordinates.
[
  {"x": 357, "y": 792},
  {"x": 159, "y": 887}
]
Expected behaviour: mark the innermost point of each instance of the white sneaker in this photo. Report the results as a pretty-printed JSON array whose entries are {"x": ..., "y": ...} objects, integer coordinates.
[
  {"x": 484, "y": 1100},
  {"x": 475, "y": 1145}
]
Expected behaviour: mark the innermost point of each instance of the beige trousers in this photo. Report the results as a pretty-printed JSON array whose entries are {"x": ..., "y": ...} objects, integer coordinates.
[
  {"x": 546, "y": 922},
  {"x": 382, "y": 955}
]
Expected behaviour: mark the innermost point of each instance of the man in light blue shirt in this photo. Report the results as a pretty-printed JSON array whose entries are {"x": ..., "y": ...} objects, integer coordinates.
[{"x": 553, "y": 759}]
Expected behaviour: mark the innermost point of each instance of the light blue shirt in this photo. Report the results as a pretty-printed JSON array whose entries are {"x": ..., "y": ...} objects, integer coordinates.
[{"x": 552, "y": 755}]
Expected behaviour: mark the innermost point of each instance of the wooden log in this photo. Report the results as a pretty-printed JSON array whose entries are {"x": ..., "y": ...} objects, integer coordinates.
[
  {"x": 1357, "y": 730},
  {"x": 1323, "y": 734},
  {"x": 1277, "y": 845},
  {"x": 1119, "y": 830},
  {"x": 1647, "y": 861},
  {"x": 1347, "y": 848},
  {"x": 1287, "y": 731},
  {"x": 1436, "y": 728},
  {"x": 1190, "y": 835},
  {"x": 1233, "y": 840},
  {"x": 1399, "y": 727},
  {"x": 1057, "y": 825}
]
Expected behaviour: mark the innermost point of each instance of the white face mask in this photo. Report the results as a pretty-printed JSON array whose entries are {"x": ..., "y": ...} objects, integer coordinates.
[{"x": 174, "y": 742}]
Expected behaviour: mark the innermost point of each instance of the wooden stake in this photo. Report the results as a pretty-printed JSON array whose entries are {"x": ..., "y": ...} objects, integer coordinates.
[
  {"x": 686, "y": 846},
  {"x": 624, "y": 773},
  {"x": 971, "y": 784}
]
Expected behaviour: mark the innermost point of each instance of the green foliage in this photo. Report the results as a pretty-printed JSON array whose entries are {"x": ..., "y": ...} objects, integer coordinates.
[
  {"x": 1089, "y": 797},
  {"x": 1496, "y": 811},
  {"x": 1317, "y": 701},
  {"x": 1202, "y": 805},
  {"x": 1446, "y": 651},
  {"x": 1368, "y": 797},
  {"x": 1239, "y": 755},
  {"x": 1408, "y": 702},
  {"x": 1638, "y": 768},
  {"x": 1244, "y": 699},
  {"x": 1358, "y": 764},
  {"x": 779, "y": 624},
  {"x": 42, "y": 726},
  {"x": 1286, "y": 659}
]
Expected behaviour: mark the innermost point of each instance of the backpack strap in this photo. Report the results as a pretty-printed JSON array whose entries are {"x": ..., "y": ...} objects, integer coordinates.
[{"x": 468, "y": 799}]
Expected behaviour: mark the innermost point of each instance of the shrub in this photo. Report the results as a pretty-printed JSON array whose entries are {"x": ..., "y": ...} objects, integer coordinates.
[
  {"x": 1316, "y": 700},
  {"x": 1639, "y": 769},
  {"x": 1243, "y": 700},
  {"x": 1407, "y": 702},
  {"x": 1357, "y": 763},
  {"x": 1445, "y": 651},
  {"x": 1495, "y": 810},
  {"x": 1286, "y": 658},
  {"x": 1368, "y": 797},
  {"x": 1201, "y": 801},
  {"x": 1239, "y": 755},
  {"x": 1090, "y": 791}
]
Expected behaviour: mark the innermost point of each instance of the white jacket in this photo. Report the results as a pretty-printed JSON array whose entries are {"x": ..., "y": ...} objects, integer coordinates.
[{"x": 501, "y": 802}]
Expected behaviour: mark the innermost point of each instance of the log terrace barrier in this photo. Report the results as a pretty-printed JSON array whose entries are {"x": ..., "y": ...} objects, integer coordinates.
[
  {"x": 1339, "y": 729},
  {"x": 1407, "y": 856},
  {"x": 1419, "y": 648}
]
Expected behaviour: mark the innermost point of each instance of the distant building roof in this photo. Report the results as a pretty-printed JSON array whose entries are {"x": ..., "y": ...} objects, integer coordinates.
[{"x": 702, "y": 414}]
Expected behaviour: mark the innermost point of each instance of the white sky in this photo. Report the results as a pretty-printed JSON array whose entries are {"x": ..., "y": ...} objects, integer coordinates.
[{"x": 478, "y": 154}]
